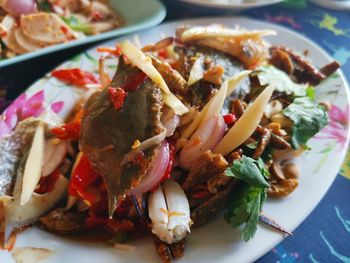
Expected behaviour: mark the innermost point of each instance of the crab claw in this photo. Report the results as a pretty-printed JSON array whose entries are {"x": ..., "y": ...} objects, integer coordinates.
[{"x": 169, "y": 212}]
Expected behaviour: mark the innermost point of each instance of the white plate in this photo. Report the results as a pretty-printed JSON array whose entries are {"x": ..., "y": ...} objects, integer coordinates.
[
  {"x": 335, "y": 4},
  {"x": 231, "y": 4},
  {"x": 216, "y": 242}
]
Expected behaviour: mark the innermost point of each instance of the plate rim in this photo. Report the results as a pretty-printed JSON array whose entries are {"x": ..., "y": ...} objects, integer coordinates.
[
  {"x": 229, "y": 6},
  {"x": 109, "y": 35},
  {"x": 290, "y": 31}
]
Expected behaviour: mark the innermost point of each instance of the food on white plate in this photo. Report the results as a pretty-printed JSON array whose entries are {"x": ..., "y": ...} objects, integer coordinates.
[
  {"x": 29, "y": 25},
  {"x": 187, "y": 129}
]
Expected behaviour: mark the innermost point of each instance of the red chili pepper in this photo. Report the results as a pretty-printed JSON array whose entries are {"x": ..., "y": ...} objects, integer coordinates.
[
  {"x": 75, "y": 76},
  {"x": 64, "y": 30},
  {"x": 134, "y": 81},
  {"x": 117, "y": 51},
  {"x": 230, "y": 119},
  {"x": 162, "y": 54},
  {"x": 171, "y": 162},
  {"x": 82, "y": 177},
  {"x": 70, "y": 130},
  {"x": 118, "y": 96},
  {"x": 47, "y": 183}
]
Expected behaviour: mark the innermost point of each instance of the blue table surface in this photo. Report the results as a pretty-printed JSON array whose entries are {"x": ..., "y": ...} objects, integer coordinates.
[{"x": 325, "y": 235}]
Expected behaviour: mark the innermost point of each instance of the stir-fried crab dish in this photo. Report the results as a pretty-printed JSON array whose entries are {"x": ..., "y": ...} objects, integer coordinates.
[
  {"x": 204, "y": 124},
  {"x": 30, "y": 25}
]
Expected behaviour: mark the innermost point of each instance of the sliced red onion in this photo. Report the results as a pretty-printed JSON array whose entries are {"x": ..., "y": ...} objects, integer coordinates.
[
  {"x": 55, "y": 152},
  {"x": 20, "y": 7},
  {"x": 217, "y": 134},
  {"x": 205, "y": 138},
  {"x": 156, "y": 172}
]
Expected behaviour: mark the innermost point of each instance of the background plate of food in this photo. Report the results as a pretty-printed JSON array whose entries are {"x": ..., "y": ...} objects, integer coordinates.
[
  {"x": 239, "y": 100},
  {"x": 237, "y": 5},
  {"x": 33, "y": 28}
]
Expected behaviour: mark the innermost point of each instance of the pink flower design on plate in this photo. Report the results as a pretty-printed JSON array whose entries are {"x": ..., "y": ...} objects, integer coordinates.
[
  {"x": 337, "y": 126},
  {"x": 23, "y": 108}
]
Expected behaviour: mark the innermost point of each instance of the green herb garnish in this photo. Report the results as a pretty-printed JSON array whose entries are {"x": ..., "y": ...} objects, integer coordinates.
[
  {"x": 77, "y": 25},
  {"x": 308, "y": 118},
  {"x": 249, "y": 170},
  {"x": 246, "y": 203},
  {"x": 244, "y": 208},
  {"x": 270, "y": 75}
]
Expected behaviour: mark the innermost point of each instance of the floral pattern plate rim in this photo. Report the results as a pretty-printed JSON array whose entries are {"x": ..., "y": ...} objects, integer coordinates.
[
  {"x": 149, "y": 13},
  {"x": 216, "y": 241}
]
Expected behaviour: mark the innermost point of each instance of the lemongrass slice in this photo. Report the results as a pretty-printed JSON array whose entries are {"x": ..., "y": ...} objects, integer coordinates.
[
  {"x": 215, "y": 104},
  {"x": 33, "y": 167},
  {"x": 173, "y": 102},
  {"x": 144, "y": 63},
  {"x": 196, "y": 72},
  {"x": 246, "y": 124},
  {"x": 226, "y": 89},
  {"x": 196, "y": 33}
]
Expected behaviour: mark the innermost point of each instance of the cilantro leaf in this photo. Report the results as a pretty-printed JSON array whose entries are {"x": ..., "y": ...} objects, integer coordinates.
[
  {"x": 248, "y": 198},
  {"x": 249, "y": 170},
  {"x": 270, "y": 75},
  {"x": 308, "y": 118},
  {"x": 250, "y": 227},
  {"x": 244, "y": 207},
  {"x": 262, "y": 167}
]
